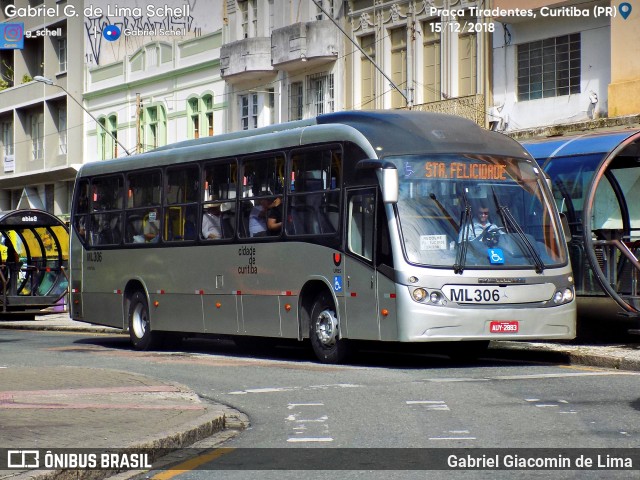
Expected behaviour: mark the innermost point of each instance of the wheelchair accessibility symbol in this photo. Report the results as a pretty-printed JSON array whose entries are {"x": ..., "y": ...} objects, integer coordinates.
[
  {"x": 337, "y": 283},
  {"x": 496, "y": 257}
]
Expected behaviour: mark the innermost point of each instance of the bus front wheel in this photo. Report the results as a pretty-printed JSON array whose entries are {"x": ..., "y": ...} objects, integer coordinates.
[
  {"x": 324, "y": 331},
  {"x": 142, "y": 338}
]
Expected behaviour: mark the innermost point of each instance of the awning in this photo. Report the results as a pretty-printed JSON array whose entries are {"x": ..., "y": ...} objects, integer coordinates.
[
  {"x": 586, "y": 144},
  {"x": 596, "y": 183}
]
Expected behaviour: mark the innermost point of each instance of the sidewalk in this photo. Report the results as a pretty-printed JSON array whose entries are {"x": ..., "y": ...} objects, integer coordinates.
[{"x": 52, "y": 408}]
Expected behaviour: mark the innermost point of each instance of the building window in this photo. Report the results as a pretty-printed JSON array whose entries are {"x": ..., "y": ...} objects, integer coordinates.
[
  {"x": 398, "y": 65},
  {"x": 154, "y": 127},
  {"x": 194, "y": 118},
  {"x": 368, "y": 72},
  {"x": 37, "y": 136},
  {"x": 6, "y": 130},
  {"x": 549, "y": 68},
  {"x": 467, "y": 58},
  {"x": 249, "y": 111},
  {"x": 248, "y": 17},
  {"x": 103, "y": 148},
  {"x": 295, "y": 101},
  {"x": 320, "y": 93},
  {"x": 112, "y": 125},
  {"x": 7, "y": 139},
  {"x": 207, "y": 103},
  {"x": 327, "y": 5},
  {"x": 271, "y": 105},
  {"x": 62, "y": 129},
  {"x": 62, "y": 54},
  {"x": 431, "y": 64}
]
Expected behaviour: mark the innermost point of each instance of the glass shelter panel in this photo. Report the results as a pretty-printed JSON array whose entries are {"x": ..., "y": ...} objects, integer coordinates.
[{"x": 572, "y": 177}]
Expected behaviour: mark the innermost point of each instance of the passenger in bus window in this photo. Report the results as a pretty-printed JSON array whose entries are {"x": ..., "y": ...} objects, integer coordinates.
[
  {"x": 151, "y": 227},
  {"x": 258, "y": 217},
  {"x": 211, "y": 225},
  {"x": 274, "y": 217}
]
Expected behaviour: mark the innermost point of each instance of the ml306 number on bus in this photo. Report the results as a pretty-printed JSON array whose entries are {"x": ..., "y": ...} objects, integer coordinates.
[{"x": 475, "y": 295}]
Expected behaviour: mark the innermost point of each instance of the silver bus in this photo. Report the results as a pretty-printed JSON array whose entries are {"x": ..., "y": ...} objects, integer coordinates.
[{"x": 348, "y": 226}]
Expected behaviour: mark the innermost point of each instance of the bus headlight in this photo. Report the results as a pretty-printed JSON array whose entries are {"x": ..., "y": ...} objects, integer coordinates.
[
  {"x": 563, "y": 296},
  {"x": 557, "y": 298},
  {"x": 436, "y": 298},
  {"x": 567, "y": 295},
  {"x": 419, "y": 294}
]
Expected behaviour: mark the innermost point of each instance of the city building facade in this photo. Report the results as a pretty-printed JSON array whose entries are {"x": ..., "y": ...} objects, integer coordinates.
[
  {"x": 425, "y": 55},
  {"x": 281, "y": 60},
  {"x": 566, "y": 64},
  {"x": 158, "y": 83},
  {"x": 41, "y": 129}
]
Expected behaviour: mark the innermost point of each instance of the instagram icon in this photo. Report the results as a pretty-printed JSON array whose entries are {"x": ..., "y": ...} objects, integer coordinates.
[{"x": 12, "y": 35}]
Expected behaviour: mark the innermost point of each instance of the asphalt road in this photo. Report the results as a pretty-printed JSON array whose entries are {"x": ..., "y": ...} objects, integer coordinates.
[{"x": 382, "y": 400}]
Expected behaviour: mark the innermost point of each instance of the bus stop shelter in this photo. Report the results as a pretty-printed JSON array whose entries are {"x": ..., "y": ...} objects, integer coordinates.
[
  {"x": 34, "y": 251},
  {"x": 596, "y": 184}
]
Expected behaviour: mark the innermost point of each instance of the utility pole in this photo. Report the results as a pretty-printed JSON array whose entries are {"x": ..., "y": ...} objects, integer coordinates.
[{"x": 138, "y": 111}]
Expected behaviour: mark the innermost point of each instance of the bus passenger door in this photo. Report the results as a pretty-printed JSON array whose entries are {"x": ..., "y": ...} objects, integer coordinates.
[{"x": 360, "y": 277}]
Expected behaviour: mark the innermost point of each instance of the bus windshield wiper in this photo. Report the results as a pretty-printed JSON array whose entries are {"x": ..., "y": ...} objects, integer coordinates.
[
  {"x": 465, "y": 225},
  {"x": 511, "y": 223}
]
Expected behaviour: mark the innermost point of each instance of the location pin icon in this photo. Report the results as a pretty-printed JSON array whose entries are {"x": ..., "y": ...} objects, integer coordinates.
[{"x": 625, "y": 10}]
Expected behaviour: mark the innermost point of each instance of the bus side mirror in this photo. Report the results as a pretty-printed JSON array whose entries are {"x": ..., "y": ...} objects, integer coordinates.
[
  {"x": 389, "y": 184},
  {"x": 387, "y": 176},
  {"x": 565, "y": 227}
]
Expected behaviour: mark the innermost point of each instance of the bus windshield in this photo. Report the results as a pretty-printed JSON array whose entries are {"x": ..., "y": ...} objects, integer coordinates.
[{"x": 466, "y": 211}]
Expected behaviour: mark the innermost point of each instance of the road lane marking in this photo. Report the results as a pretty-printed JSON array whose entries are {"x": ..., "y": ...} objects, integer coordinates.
[
  {"x": 430, "y": 404},
  {"x": 291, "y": 389},
  {"x": 102, "y": 406},
  {"x": 452, "y": 438},
  {"x": 97, "y": 390},
  {"x": 309, "y": 439},
  {"x": 294, "y": 405},
  {"x": 192, "y": 464}
]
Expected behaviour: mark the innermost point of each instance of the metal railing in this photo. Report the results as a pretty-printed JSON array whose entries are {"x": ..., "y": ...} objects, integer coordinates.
[{"x": 471, "y": 107}]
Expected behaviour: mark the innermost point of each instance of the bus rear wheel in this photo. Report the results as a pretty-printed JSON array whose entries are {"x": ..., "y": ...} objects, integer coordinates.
[
  {"x": 140, "y": 334},
  {"x": 324, "y": 331}
]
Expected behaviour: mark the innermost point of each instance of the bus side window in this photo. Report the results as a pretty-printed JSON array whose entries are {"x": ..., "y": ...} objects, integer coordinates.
[{"x": 314, "y": 191}]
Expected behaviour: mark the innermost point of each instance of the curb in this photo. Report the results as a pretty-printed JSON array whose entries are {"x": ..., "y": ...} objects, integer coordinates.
[
  {"x": 223, "y": 418},
  {"x": 584, "y": 355},
  {"x": 62, "y": 328}
]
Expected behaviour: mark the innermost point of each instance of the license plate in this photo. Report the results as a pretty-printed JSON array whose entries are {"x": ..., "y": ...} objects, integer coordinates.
[
  {"x": 510, "y": 326},
  {"x": 470, "y": 294}
]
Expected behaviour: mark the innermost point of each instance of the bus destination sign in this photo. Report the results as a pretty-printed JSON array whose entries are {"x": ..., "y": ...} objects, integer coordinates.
[{"x": 465, "y": 171}]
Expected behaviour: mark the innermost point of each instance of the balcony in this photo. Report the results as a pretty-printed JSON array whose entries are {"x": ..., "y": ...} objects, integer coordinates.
[
  {"x": 471, "y": 107},
  {"x": 247, "y": 59},
  {"x": 304, "y": 44}
]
